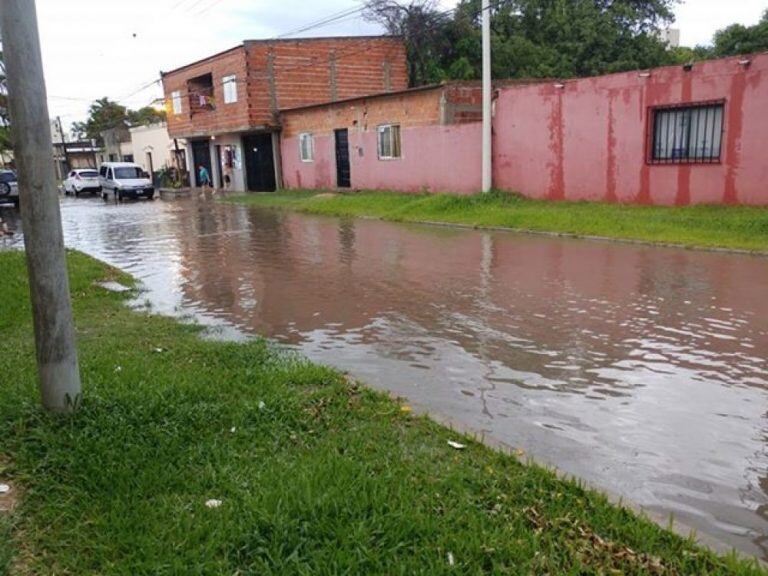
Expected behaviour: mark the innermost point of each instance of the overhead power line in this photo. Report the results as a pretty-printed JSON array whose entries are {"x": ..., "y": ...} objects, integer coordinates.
[{"x": 323, "y": 22}]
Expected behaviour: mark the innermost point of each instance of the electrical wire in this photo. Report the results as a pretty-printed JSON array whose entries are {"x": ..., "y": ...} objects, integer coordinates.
[
  {"x": 361, "y": 46},
  {"x": 349, "y": 13}
]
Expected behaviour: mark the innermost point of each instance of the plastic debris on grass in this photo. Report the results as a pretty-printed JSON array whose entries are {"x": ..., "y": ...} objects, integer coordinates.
[
  {"x": 213, "y": 503},
  {"x": 456, "y": 445}
]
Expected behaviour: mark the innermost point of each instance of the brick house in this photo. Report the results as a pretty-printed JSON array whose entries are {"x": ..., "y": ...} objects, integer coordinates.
[
  {"x": 419, "y": 139},
  {"x": 227, "y": 106}
]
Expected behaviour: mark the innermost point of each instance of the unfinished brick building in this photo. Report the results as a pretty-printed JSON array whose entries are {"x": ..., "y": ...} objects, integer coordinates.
[{"x": 227, "y": 105}]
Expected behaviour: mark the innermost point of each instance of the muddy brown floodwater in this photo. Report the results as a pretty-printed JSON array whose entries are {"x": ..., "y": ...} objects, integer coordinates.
[{"x": 640, "y": 369}]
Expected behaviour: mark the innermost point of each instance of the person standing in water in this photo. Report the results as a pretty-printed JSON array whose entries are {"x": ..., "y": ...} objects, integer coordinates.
[{"x": 203, "y": 177}]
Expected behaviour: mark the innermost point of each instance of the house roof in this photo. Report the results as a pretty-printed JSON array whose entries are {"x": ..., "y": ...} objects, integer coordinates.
[
  {"x": 370, "y": 96},
  {"x": 427, "y": 87}
]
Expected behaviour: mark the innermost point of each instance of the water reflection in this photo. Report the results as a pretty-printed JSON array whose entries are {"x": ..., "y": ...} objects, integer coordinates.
[{"x": 640, "y": 369}]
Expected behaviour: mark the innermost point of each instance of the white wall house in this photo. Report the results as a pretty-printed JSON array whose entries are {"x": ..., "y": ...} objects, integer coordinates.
[{"x": 153, "y": 149}]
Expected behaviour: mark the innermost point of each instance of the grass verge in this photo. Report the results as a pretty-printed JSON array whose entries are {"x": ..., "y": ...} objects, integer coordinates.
[
  {"x": 705, "y": 226},
  {"x": 316, "y": 475}
]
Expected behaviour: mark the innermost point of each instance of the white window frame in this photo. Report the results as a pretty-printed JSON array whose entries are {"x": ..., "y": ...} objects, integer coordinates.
[
  {"x": 229, "y": 84},
  {"x": 307, "y": 137},
  {"x": 381, "y": 130},
  {"x": 176, "y": 102}
]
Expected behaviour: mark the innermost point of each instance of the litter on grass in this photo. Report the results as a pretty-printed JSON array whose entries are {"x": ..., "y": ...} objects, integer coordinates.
[
  {"x": 113, "y": 286},
  {"x": 213, "y": 503},
  {"x": 262, "y": 405},
  {"x": 451, "y": 559},
  {"x": 4, "y": 488},
  {"x": 456, "y": 445}
]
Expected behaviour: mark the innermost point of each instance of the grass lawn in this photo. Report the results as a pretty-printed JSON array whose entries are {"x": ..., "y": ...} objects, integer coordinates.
[
  {"x": 315, "y": 474},
  {"x": 734, "y": 227}
]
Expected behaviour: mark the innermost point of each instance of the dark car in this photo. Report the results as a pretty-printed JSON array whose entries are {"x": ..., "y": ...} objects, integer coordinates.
[{"x": 9, "y": 187}]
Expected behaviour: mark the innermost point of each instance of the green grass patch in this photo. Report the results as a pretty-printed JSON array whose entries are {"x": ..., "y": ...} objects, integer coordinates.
[
  {"x": 705, "y": 226},
  {"x": 316, "y": 474}
]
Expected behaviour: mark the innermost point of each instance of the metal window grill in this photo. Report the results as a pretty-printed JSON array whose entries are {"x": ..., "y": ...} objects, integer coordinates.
[{"x": 690, "y": 134}]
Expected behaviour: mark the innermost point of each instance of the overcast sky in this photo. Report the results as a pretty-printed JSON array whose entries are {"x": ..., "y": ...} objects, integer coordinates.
[{"x": 94, "y": 48}]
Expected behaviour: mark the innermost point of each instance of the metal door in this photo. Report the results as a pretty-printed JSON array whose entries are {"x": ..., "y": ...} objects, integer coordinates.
[{"x": 343, "y": 172}]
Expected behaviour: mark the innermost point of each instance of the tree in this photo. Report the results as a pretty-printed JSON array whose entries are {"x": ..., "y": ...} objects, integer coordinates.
[
  {"x": 105, "y": 114},
  {"x": 530, "y": 38},
  {"x": 421, "y": 26},
  {"x": 739, "y": 39},
  {"x": 146, "y": 115},
  {"x": 564, "y": 38}
]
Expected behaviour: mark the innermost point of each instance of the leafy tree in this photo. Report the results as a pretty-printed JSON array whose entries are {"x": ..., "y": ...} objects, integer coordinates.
[
  {"x": 739, "y": 39},
  {"x": 530, "y": 38},
  {"x": 105, "y": 114},
  {"x": 146, "y": 115},
  {"x": 566, "y": 38},
  {"x": 421, "y": 25},
  {"x": 730, "y": 41}
]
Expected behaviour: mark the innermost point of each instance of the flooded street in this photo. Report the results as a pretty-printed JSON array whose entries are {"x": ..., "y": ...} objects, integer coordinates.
[{"x": 642, "y": 370}]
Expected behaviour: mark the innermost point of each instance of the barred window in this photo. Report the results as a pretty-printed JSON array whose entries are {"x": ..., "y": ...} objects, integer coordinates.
[
  {"x": 306, "y": 147},
  {"x": 687, "y": 134},
  {"x": 389, "y": 141}
]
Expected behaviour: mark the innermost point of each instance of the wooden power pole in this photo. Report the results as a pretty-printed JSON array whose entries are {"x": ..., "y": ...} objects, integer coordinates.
[{"x": 41, "y": 217}]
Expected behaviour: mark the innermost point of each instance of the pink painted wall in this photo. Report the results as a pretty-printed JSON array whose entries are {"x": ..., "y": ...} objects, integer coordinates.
[
  {"x": 435, "y": 158},
  {"x": 588, "y": 140}
]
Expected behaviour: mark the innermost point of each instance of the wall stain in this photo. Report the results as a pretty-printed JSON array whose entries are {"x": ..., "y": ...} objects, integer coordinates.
[
  {"x": 556, "y": 148},
  {"x": 733, "y": 132}
]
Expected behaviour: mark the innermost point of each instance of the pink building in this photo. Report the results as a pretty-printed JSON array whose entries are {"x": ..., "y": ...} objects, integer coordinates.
[
  {"x": 421, "y": 139},
  {"x": 674, "y": 135}
]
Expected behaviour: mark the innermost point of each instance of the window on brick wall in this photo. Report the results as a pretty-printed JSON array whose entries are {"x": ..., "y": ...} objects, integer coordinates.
[
  {"x": 230, "y": 89},
  {"x": 176, "y": 101},
  {"x": 389, "y": 141},
  {"x": 690, "y": 134},
  {"x": 306, "y": 147}
]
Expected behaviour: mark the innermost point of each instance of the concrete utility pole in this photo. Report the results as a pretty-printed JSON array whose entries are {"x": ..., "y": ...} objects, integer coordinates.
[
  {"x": 43, "y": 239},
  {"x": 487, "y": 151}
]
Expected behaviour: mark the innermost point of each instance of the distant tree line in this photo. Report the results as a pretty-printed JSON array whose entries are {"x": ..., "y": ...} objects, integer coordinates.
[
  {"x": 730, "y": 41},
  {"x": 546, "y": 38},
  {"x": 105, "y": 114}
]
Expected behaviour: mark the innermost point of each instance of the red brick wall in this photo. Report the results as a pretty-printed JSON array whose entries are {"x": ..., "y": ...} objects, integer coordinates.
[
  {"x": 417, "y": 108},
  {"x": 286, "y": 74},
  {"x": 225, "y": 117},
  {"x": 303, "y": 72}
]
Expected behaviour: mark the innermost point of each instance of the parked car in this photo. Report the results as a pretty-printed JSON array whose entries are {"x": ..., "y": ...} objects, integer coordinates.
[
  {"x": 9, "y": 187},
  {"x": 82, "y": 180},
  {"x": 125, "y": 180}
]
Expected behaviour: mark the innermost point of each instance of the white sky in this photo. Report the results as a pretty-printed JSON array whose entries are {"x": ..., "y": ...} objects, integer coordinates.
[{"x": 95, "y": 48}]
